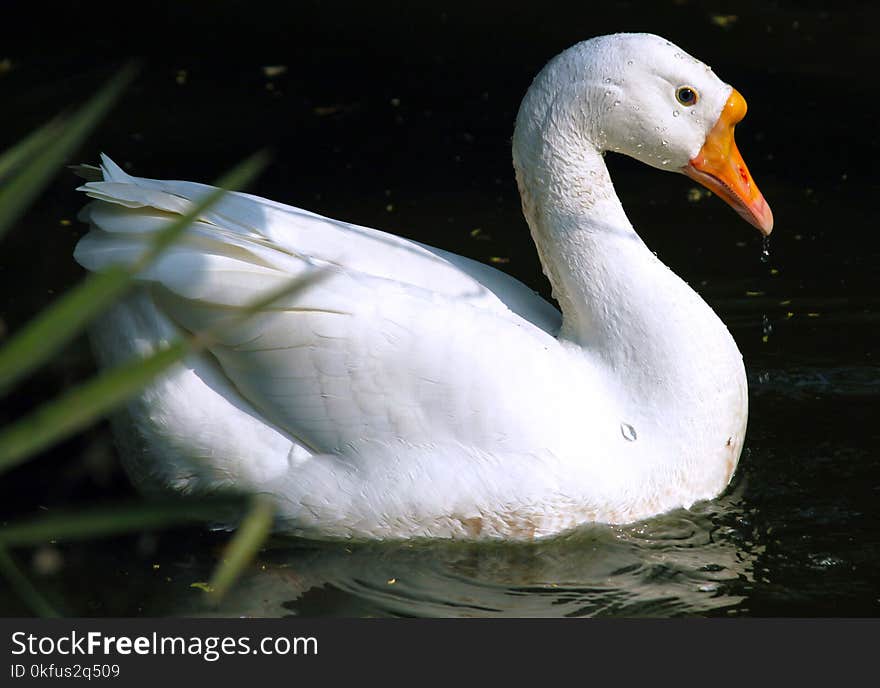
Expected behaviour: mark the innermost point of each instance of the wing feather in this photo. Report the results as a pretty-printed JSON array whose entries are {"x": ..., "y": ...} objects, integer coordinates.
[{"x": 397, "y": 341}]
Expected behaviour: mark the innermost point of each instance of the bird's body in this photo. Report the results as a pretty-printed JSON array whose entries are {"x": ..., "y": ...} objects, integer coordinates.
[{"x": 412, "y": 392}]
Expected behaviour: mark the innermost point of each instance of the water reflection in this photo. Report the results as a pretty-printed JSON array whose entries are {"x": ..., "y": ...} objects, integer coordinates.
[{"x": 682, "y": 563}]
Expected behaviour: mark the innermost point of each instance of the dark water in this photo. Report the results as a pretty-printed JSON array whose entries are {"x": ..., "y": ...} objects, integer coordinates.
[{"x": 402, "y": 120}]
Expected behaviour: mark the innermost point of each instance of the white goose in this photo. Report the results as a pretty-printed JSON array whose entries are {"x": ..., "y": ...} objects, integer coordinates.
[{"x": 413, "y": 392}]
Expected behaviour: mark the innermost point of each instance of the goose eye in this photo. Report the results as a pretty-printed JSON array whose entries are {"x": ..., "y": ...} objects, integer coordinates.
[{"x": 686, "y": 96}]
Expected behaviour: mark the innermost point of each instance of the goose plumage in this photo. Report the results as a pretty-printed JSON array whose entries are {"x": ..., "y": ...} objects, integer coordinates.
[{"x": 412, "y": 392}]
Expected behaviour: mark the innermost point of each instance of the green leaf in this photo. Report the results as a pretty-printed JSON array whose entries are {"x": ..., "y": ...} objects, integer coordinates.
[
  {"x": 29, "y": 146},
  {"x": 118, "y": 519},
  {"x": 19, "y": 191},
  {"x": 24, "y": 588},
  {"x": 57, "y": 324},
  {"x": 245, "y": 544},
  {"x": 55, "y": 420}
]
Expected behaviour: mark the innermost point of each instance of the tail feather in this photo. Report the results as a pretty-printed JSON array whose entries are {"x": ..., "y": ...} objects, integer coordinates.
[
  {"x": 293, "y": 241},
  {"x": 88, "y": 172},
  {"x": 290, "y": 230}
]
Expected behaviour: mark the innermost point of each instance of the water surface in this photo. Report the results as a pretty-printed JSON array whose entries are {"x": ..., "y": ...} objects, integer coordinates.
[{"x": 413, "y": 137}]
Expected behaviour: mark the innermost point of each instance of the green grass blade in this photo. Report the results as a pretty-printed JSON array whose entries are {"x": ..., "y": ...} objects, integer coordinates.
[
  {"x": 57, "y": 324},
  {"x": 58, "y": 419},
  {"x": 24, "y": 588},
  {"x": 118, "y": 519},
  {"x": 19, "y": 191},
  {"x": 245, "y": 544},
  {"x": 29, "y": 146}
]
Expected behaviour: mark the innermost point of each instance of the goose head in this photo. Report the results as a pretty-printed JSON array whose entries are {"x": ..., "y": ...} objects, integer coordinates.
[{"x": 640, "y": 95}]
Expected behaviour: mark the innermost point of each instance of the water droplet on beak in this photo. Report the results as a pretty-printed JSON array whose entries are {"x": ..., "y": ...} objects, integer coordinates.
[{"x": 765, "y": 250}]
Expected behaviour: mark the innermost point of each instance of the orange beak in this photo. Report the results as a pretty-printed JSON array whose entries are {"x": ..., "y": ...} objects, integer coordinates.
[{"x": 720, "y": 168}]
